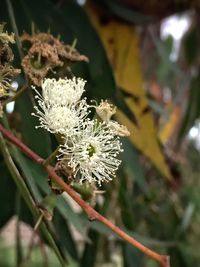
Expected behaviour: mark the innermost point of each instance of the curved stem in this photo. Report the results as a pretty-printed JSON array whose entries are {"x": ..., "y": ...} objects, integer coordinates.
[{"x": 163, "y": 260}]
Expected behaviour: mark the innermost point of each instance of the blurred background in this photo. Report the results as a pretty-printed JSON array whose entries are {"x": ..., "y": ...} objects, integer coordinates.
[{"x": 144, "y": 57}]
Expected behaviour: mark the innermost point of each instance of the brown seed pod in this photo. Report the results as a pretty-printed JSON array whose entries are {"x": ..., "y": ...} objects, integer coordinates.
[{"x": 47, "y": 53}]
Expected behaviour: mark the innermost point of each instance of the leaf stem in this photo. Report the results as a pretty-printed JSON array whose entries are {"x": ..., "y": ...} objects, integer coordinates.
[
  {"x": 51, "y": 157},
  {"x": 38, "y": 222},
  {"x": 163, "y": 260}
]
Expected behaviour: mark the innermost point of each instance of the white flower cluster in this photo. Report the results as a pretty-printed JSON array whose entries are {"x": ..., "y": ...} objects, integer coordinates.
[{"x": 90, "y": 146}]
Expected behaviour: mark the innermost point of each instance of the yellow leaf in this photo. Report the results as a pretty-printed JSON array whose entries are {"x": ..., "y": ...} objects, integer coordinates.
[
  {"x": 171, "y": 125},
  {"x": 122, "y": 45},
  {"x": 144, "y": 138}
]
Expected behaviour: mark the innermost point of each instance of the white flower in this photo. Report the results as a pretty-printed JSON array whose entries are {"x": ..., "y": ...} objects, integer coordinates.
[
  {"x": 92, "y": 154},
  {"x": 60, "y": 108},
  {"x": 65, "y": 120},
  {"x": 61, "y": 92}
]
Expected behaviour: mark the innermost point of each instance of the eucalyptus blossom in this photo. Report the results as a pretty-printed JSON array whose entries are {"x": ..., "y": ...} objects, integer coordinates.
[
  {"x": 92, "y": 154},
  {"x": 60, "y": 109},
  {"x": 90, "y": 147},
  {"x": 61, "y": 92}
]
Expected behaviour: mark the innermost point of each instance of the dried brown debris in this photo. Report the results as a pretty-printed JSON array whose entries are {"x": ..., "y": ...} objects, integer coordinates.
[
  {"x": 7, "y": 72},
  {"x": 46, "y": 53},
  {"x": 6, "y": 54},
  {"x": 63, "y": 170}
]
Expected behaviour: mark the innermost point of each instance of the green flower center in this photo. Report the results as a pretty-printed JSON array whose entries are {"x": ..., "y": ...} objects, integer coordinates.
[
  {"x": 38, "y": 62},
  {"x": 91, "y": 150}
]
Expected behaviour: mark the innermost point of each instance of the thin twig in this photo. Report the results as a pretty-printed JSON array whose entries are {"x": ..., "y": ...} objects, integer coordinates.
[
  {"x": 163, "y": 260},
  {"x": 15, "y": 96},
  {"x": 51, "y": 157}
]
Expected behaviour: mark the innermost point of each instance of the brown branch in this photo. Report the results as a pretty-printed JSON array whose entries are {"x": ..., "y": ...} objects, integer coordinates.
[{"x": 163, "y": 260}]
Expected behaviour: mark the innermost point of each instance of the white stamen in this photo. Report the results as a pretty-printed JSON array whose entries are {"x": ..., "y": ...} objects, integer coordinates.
[{"x": 92, "y": 153}]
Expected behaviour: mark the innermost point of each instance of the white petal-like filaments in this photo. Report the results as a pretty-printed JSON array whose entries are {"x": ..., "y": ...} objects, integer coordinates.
[
  {"x": 62, "y": 91},
  {"x": 65, "y": 120},
  {"x": 60, "y": 109},
  {"x": 90, "y": 147},
  {"x": 92, "y": 154}
]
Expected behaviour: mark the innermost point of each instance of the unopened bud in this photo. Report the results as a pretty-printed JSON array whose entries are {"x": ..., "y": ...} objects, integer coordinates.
[{"x": 105, "y": 110}]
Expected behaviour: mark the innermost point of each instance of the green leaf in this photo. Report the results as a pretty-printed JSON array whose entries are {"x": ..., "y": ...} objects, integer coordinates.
[
  {"x": 64, "y": 235},
  {"x": 193, "y": 108},
  {"x": 7, "y": 195},
  {"x": 100, "y": 77},
  {"x": 191, "y": 45},
  {"x": 29, "y": 170},
  {"x": 147, "y": 241},
  {"x": 125, "y": 12},
  {"x": 90, "y": 251},
  {"x": 132, "y": 257},
  {"x": 125, "y": 203},
  {"x": 131, "y": 160}
]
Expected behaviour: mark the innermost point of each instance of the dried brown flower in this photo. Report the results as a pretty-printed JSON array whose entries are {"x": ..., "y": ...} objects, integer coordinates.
[
  {"x": 5, "y": 37},
  {"x": 46, "y": 53},
  {"x": 40, "y": 59},
  {"x": 7, "y": 72},
  {"x": 6, "y": 54}
]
